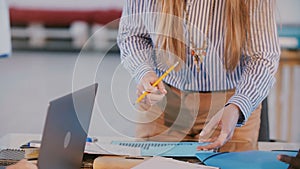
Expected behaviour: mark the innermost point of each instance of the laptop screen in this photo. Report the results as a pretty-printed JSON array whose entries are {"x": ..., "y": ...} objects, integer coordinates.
[{"x": 66, "y": 129}]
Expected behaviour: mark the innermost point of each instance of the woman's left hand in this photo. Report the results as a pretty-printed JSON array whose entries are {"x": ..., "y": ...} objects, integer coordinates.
[{"x": 227, "y": 119}]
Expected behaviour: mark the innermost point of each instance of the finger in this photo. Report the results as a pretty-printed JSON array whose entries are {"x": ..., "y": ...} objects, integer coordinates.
[
  {"x": 207, "y": 130},
  {"x": 148, "y": 87},
  {"x": 284, "y": 158},
  {"x": 211, "y": 125},
  {"x": 212, "y": 146},
  {"x": 220, "y": 124},
  {"x": 227, "y": 128},
  {"x": 293, "y": 161},
  {"x": 220, "y": 141},
  {"x": 149, "y": 95},
  {"x": 155, "y": 97},
  {"x": 138, "y": 93},
  {"x": 207, "y": 139},
  {"x": 225, "y": 134},
  {"x": 140, "y": 88},
  {"x": 147, "y": 81},
  {"x": 161, "y": 88},
  {"x": 212, "y": 139}
]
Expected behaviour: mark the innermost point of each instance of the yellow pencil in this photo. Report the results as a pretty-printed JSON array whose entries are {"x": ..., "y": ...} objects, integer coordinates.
[{"x": 156, "y": 82}]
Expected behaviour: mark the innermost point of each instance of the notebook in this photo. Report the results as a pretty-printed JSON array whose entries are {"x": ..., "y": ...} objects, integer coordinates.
[
  {"x": 66, "y": 129},
  {"x": 10, "y": 156}
]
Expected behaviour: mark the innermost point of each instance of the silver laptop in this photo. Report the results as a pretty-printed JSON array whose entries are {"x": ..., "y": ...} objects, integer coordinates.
[{"x": 66, "y": 129}]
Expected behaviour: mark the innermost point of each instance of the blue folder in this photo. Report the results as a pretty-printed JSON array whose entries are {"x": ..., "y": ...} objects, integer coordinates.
[{"x": 245, "y": 160}]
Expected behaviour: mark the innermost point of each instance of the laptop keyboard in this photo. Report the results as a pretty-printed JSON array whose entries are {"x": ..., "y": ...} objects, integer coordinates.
[{"x": 11, "y": 156}]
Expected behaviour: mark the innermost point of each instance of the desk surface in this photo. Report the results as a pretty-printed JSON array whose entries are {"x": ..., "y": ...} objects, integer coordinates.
[{"x": 14, "y": 140}]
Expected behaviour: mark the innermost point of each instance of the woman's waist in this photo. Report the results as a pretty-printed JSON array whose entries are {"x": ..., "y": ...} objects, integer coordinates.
[
  {"x": 200, "y": 91},
  {"x": 200, "y": 87}
]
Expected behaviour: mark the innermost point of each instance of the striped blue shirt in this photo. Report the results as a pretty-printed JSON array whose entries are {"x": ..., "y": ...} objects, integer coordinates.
[{"x": 253, "y": 77}]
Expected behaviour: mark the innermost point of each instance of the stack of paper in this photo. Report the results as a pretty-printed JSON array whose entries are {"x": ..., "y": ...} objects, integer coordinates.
[
  {"x": 109, "y": 149},
  {"x": 162, "y": 162}
]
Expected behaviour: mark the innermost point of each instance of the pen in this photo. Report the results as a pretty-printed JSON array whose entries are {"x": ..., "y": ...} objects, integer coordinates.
[
  {"x": 91, "y": 139},
  {"x": 157, "y": 81}
]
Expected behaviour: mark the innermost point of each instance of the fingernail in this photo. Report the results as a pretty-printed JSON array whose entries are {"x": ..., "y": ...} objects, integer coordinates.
[
  {"x": 202, "y": 133},
  {"x": 165, "y": 91}
]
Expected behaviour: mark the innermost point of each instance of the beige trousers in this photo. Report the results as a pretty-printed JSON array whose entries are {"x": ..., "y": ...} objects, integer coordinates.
[{"x": 181, "y": 115}]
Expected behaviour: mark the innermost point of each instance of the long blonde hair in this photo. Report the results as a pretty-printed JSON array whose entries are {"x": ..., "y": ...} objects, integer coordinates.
[{"x": 236, "y": 22}]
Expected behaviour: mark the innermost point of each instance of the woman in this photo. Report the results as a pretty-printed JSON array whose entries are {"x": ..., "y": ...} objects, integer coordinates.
[{"x": 228, "y": 53}]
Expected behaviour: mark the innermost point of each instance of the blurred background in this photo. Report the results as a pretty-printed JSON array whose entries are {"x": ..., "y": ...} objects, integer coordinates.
[{"x": 61, "y": 45}]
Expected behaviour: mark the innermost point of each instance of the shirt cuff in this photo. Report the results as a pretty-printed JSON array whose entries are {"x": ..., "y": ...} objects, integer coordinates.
[{"x": 244, "y": 103}]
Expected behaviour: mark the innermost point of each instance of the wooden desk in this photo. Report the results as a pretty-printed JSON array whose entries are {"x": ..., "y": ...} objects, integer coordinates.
[
  {"x": 116, "y": 162},
  {"x": 14, "y": 140}
]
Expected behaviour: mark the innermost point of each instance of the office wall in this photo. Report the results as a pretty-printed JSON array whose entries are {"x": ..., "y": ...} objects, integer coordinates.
[
  {"x": 288, "y": 12},
  {"x": 30, "y": 80},
  {"x": 284, "y": 98}
]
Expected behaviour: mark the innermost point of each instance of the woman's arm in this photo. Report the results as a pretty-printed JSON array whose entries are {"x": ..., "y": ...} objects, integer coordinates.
[
  {"x": 258, "y": 75},
  {"x": 262, "y": 58},
  {"x": 134, "y": 41}
]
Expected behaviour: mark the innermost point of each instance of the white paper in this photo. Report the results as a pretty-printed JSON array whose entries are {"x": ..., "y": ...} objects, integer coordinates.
[
  {"x": 110, "y": 149},
  {"x": 166, "y": 163}
]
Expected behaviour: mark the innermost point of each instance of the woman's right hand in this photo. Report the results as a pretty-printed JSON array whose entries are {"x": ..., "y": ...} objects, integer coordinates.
[{"x": 155, "y": 93}]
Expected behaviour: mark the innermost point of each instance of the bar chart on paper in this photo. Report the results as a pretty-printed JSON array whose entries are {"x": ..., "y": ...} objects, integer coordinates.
[{"x": 167, "y": 149}]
